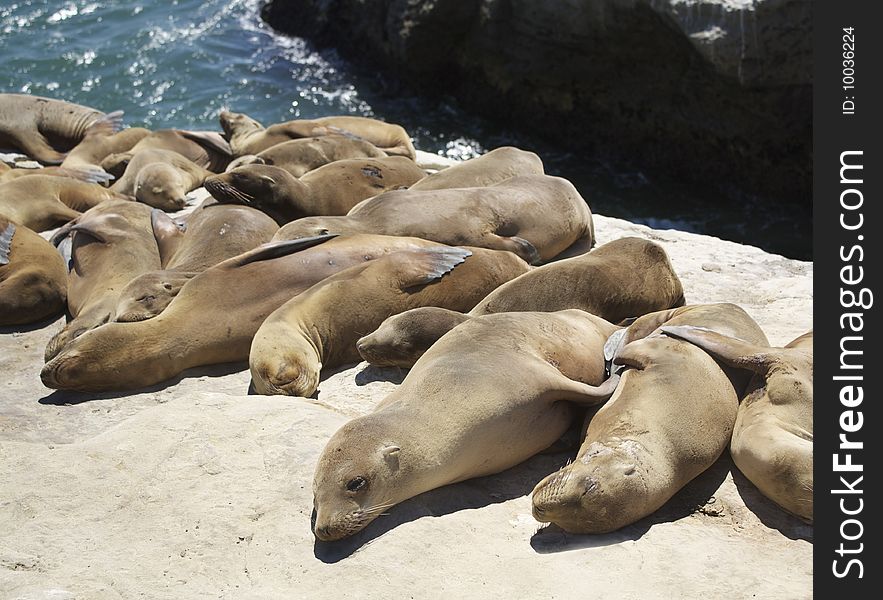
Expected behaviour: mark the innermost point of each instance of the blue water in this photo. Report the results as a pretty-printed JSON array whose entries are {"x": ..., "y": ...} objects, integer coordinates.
[{"x": 178, "y": 63}]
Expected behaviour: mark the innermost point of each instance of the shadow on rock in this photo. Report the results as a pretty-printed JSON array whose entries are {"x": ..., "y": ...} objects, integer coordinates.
[
  {"x": 28, "y": 327},
  {"x": 473, "y": 494},
  {"x": 692, "y": 497},
  {"x": 371, "y": 374},
  {"x": 770, "y": 513},
  {"x": 70, "y": 398}
]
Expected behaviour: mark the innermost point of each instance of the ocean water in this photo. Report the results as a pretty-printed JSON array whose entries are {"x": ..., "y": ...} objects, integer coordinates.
[{"x": 178, "y": 63}]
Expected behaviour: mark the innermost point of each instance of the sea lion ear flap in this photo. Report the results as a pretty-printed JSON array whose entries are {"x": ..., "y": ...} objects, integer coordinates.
[
  {"x": 391, "y": 456},
  {"x": 732, "y": 351},
  {"x": 166, "y": 232}
]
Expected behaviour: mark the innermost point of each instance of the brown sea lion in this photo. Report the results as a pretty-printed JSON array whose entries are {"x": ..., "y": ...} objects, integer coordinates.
[
  {"x": 624, "y": 278},
  {"x": 80, "y": 174},
  {"x": 535, "y": 216},
  {"x": 329, "y": 190},
  {"x": 208, "y": 149},
  {"x": 486, "y": 397},
  {"x": 248, "y": 136},
  {"x": 670, "y": 419},
  {"x": 319, "y": 328},
  {"x": 160, "y": 178},
  {"x": 99, "y": 143},
  {"x": 33, "y": 278},
  {"x": 214, "y": 317},
  {"x": 44, "y": 128},
  {"x": 42, "y": 202},
  {"x": 773, "y": 437},
  {"x": 490, "y": 168},
  {"x": 303, "y": 155}
]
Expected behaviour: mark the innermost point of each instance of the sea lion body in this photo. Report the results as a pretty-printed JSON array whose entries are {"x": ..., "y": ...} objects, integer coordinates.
[
  {"x": 33, "y": 277},
  {"x": 208, "y": 149},
  {"x": 669, "y": 419},
  {"x": 319, "y": 328},
  {"x": 98, "y": 144},
  {"x": 628, "y": 277},
  {"x": 329, "y": 190},
  {"x": 213, "y": 318},
  {"x": 42, "y": 202},
  {"x": 535, "y": 216},
  {"x": 160, "y": 178},
  {"x": 303, "y": 155},
  {"x": 488, "y": 396},
  {"x": 489, "y": 168}
]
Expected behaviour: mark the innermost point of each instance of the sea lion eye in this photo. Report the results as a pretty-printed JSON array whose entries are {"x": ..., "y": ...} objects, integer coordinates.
[
  {"x": 356, "y": 483},
  {"x": 324, "y": 231}
]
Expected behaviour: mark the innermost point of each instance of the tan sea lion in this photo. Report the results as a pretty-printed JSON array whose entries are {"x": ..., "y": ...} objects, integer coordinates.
[
  {"x": 486, "y": 397},
  {"x": 773, "y": 437},
  {"x": 44, "y": 128},
  {"x": 319, "y": 328},
  {"x": 160, "y": 178},
  {"x": 248, "y": 136},
  {"x": 214, "y": 317},
  {"x": 209, "y": 235},
  {"x": 303, "y": 155},
  {"x": 490, "y": 168},
  {"x": 99, "y": 143},
  {"x": 80, "y": 174},
  {"x": 33, "y": 278},
  {"x": 624, "y": 278},
  {"x": 329, "y": 190},
  {"x": 208, "y": 149},
  {"x": 110, "y": 245},
  {"x": 42, "y": 202},
  {"x": 669, "y": 419},
  {"x": 535, "y": 216}
]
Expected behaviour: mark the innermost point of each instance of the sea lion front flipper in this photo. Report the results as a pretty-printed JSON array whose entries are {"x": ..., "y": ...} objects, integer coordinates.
[
  {"x": 109, "y": 124},
  {"x": 421, "y": 267},
  {"x": 732, "y": 351},
  {"x": 36, "y": 147},
  {"x": 273, "y": 250},
  {"x": 6, "y": 243},
  {"x": 167, "y": 233},
  {"x": 210, "y": 140}
]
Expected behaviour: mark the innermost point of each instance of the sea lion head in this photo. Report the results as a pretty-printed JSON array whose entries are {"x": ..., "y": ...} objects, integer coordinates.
[
  {"x": 306, "y": 227},
  {"x": 403, "y": 338},
  {"x": 160, "y": 185},
  {"x": 253, "y": 185},
  {"x": 236, "y": 123},
  {"x": 356, "y": 478},
  {"x": 149, "y": 294},
  {"x": 283, "y": 361}
]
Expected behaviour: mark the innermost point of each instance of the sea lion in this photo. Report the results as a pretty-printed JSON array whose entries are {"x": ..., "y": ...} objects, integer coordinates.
[
  {"x": 624, "y": 278},
  {"x": 80, "y": 174},
  {"x": 248, "y": 136},
  {"x": 42, "y": 202},
  {"x": 44, "y": 128},
  {"x": 535, "y": 216},
  {"x": 773, "y": 437},
  {"x": 160, "y": 178},
  {"x": 208, "y": 149},
  {"x": 669, "y": 419},
  {"x": 214, "y": 317},
  {"x": 110, "y": 245},
  {"x": 490, "y": 168},
  {"x": 33, "y": 278},
  {"x": 486, "y": 397},
  {"x": 209, "y": 235},
  {"x": 329, "y": 190},
  {"x": 319, "y": 328},
  {"x": 99, "y": 143},
  {"x": 303, "y": 155}
]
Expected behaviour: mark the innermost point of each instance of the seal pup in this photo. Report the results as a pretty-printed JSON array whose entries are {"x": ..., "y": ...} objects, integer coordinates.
[
  {"x": 486, "y": 397},
  {"x": 773, "y": 437},
  {"x": 535, "y": 216},
  {"x": 44, "y": 128},
  {"x": 110, "y": 245},
  {"x": 208, "y": 149},
  {"x": 99, "y": 143},
  {"x": 319, "y": 328},
  {"x": 669, "y": 419},
  {"x": 329, "y": 190},
  {"x": 628, "y": 277},
  {"x": 209, "y": 235},
  {"x": 33, "y": 278},
  {"x": 42, "y": 202},
  {"x": 248, "y": 136},
  {"x": 160, "y": 178},
  {"x": 489, "y": 168},
  {"x": 303, "y": 155},
  {"x": 214, "y": 317}
]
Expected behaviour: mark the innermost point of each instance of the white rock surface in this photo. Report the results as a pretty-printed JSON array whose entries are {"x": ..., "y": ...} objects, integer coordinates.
[{"x": 198, "y": 490}]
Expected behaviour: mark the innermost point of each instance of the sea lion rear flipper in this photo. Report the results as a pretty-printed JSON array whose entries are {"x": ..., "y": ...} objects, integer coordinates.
[
  {"x": 210, "y": 140},
  {"x": 106, "y": 125},
  {"x": 89, "y": 175},
  {"x": 732, "y": 351},
  {"x": 167, "y": 233},
  {"x": 421, "y": 267},
  {"x": 273, "y": 250},
  {"x": 588, "y": 395},
  {"x": 6, "y": 243}
]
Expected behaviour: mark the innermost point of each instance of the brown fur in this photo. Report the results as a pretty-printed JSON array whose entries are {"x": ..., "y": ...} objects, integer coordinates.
[
  {"x": 303, "y": 155},
  {"x": 490, "y": 168}
]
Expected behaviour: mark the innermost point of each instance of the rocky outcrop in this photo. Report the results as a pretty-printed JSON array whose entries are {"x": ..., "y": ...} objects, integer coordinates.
[{"x": 714, "y": 91}]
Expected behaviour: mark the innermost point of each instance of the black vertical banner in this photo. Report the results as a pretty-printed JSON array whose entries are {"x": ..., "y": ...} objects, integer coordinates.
[{"x": 847, "y": 188}]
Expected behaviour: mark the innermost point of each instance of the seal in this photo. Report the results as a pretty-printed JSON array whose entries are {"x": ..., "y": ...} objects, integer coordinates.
[
  {"x": 33, "y": 278},
  {"x": 535, "y": 216},
  {"x": 628, "y": 277},
  {"x": 110, "y": 244},
  {"x": 160, "y": 178},
  {"x": 490, "y": 168},
  {"x": 209, "y": 235},
  {"x": 248, "y": 136},
  {"x": 773, "y": 437},
  {"x": 80, "y": 174},
  {"x": 214, "y": 317},
  {"x": 44, "y": 128},
  {"x": 42, "y": 202},
  {"x": 319, "y": 328},
  {"x": 486, "y": 397},
  {"x": 208, "y": 149},
  {"x": 303, "y": 155},
  {"x": 99, "y": 143},
  {"x": 329, "y": 190},
  {"x": 669, "y": 419}
]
